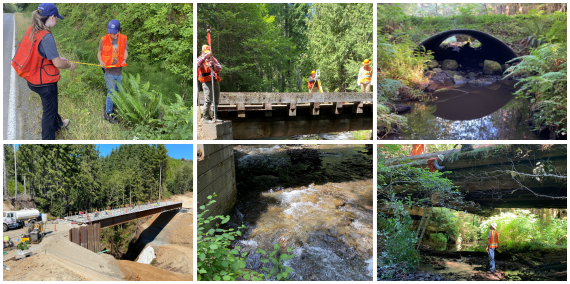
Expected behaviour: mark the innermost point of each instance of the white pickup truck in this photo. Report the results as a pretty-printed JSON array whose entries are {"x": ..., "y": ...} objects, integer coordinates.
[{"x": 17, "y": 219}]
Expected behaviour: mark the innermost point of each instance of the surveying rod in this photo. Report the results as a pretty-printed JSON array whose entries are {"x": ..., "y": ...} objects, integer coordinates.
[{"x": 212, "y": 72}]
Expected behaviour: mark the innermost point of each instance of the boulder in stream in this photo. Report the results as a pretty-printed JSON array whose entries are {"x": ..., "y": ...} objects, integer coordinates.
[
  {"x": 457, "y": 79},
  {"x": 491, "y": 67},
  {"x": 449, "y": 64},
  {"x": 438, "y": 70},
  {"x": 471, "y": 75}
]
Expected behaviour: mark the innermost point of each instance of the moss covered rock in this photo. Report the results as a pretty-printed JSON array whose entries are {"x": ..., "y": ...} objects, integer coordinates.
[
  {"x": 450, "y": 64},
  {"x": 491, "y": 67}
]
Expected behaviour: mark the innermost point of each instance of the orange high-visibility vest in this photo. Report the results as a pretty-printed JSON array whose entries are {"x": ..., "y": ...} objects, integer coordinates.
[
  {"x": 30, "y": 65},
  {"x": 366, "y": 75},
  {"x": 418, "y": 149},
  {"x": 108, "y": 52},
  {"x": 205, "y": 74},
  {"x": 311, "y": 84},
  {"x": 494, "y": 240}
]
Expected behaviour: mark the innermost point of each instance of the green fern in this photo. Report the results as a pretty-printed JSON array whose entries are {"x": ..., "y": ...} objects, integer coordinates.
[
  {"x": 545, "y": 80},
  {"x": 136, "y": 104}
]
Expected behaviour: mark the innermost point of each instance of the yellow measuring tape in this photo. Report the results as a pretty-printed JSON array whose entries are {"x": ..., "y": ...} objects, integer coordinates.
[{"x": 104, "y": 66}]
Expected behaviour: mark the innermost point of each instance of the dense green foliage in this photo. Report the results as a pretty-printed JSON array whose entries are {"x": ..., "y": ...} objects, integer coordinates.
[
  {"x": 135, "y": 102},
  {"x": 521, "y": 230},
  {"x": 545, "y": 72},
  {"x": 62, "y": 178},
  {"x": 158, "y": 34},
  {"x": 218, "y": 261},
  {"x": 273, "y": 47},
  {"x": 396, "y": 239}
]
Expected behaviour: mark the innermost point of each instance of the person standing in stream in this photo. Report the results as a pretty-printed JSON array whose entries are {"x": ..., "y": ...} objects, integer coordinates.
[
  {"x": 492, "y": 245},
  {"x": 37, "y": 60},
  {"x": 112, "y": 51}
]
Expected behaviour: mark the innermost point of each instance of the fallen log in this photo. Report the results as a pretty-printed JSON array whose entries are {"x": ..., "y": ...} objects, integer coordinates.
[
  {"x": 549, "y": 264},
  {"x": 559, "y": 267},
  {"x": 525, "y": 261}
]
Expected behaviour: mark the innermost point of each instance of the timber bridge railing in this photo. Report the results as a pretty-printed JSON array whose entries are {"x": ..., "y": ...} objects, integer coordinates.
[
  {"x": 262, "y": 115},
  {"x": 111, "y": 216}
]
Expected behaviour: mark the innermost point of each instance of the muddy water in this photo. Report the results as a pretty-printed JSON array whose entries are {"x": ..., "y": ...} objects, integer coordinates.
[
  {"x": 470, "y": 112},
  {"x": 327, "y": 220}
]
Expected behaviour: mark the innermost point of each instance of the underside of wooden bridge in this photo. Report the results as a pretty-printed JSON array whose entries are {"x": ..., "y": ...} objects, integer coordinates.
[
  {"x": 263, "y": 115},
  {"x": 505, "y": 176}
]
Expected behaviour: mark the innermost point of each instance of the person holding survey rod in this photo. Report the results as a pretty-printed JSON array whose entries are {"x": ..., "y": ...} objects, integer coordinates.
[{"x": 208, "y": 65}]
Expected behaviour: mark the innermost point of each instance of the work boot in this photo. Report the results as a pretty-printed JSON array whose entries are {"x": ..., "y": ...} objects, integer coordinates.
[
  {"x": 111, "y": 118},
  {"x": 207, "y": 118}
]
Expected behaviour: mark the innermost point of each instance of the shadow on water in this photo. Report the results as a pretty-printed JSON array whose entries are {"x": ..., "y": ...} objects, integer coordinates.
[
  {"x": 315, "y": 198},
  {"x": 470, "y": 112}
]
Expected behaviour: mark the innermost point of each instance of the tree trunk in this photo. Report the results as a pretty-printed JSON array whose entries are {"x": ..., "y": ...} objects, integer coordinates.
[
  {"x": 24, "y": 184},
  {"x": 5, "y": 179},
  {"x": 160, "y": 183},
  {"x": 15, "y": 175}
]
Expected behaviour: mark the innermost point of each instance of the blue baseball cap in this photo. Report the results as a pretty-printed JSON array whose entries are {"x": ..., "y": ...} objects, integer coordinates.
[
  {"x": 49, "y": 9},
  {"x": 113, "y": 27}
]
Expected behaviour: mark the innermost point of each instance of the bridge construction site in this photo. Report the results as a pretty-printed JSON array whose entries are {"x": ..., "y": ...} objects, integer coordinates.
[{"x": 77, "y": 247}]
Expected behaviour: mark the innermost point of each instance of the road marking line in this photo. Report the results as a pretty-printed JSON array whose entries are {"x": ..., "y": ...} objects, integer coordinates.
[{"x": 11, "y": 133}]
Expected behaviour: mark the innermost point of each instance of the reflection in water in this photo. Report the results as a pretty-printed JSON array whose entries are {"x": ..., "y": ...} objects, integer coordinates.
[
  {"x": 329, "y": 224},
  {"x": 467, "y": 112}
]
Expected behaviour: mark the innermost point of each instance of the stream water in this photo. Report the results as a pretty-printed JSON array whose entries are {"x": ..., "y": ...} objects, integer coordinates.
[
  {"x": 319, "y": 209},
  {"x": 469, "y": 112}
]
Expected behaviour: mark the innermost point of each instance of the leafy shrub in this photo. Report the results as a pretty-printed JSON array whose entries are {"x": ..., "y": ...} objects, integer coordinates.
[
  {"x": 402, "y": 61},
  {"x": 136, "y": 104},
  {"x": 545, "y": 71},
  {"x": 176, "y": 124},
  {"x": 397, "y": 238},
  {"x": 10, "y": 8},
  {"x": 217, "y": 261},
  {"x": 439, "y": 238}
]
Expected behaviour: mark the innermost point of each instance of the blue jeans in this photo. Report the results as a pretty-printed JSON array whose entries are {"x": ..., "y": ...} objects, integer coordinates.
[
  {"x": 111, "y": 85},
  {"x": 492, "y": 259}
]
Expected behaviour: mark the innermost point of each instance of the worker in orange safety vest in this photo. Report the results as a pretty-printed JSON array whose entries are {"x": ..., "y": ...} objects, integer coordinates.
[
  {"x": 38, "y": 61},
  {"x": 112, "y": 51},
  {"x": 208, "y": 64},
  {"x": 492, "y": 244},
  {"x": 313, "y": 84},
  {"x": 365, "y": 77}
]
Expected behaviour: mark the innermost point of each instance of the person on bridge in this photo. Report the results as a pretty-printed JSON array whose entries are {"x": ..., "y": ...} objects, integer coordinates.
[
  {"x": 112, "y": 51},
  {"x": 313, "y": 83},
  {"x": 365, "y": 77},
  {"x": 206, "y": 64},
  {"x": 37, "y": 60},
  {"x": 492, "y": 244}
]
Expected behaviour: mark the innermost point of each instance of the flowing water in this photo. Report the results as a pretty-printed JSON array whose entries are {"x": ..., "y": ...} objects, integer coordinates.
[
  {"x": 469, "y": 112},
  {"x": 323, "y": 211}
]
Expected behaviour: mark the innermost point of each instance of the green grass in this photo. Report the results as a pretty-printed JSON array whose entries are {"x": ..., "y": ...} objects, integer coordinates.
[{"x": 362, "y": 134}]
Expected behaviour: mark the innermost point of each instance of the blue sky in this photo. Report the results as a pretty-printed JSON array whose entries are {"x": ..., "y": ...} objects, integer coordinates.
[{"x": 176, "y": 151}]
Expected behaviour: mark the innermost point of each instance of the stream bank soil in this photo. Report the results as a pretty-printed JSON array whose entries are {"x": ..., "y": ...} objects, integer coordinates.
[
  {"x": 318, "y": 201},
  {"x": 509, "y": 267}
]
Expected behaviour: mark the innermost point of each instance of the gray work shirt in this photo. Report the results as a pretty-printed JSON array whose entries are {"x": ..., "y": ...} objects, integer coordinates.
[
  {"x": 47, "y": 47},
  {"x": 115, "y": 71}
]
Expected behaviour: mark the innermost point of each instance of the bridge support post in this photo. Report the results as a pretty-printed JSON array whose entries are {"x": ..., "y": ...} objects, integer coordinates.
[
  {"x": 315, "y": 108},
  {"x": 292, "y": 108}
]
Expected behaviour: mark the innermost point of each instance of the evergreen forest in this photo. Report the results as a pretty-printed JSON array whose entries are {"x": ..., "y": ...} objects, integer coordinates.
[{"x": 59, "y": 178}]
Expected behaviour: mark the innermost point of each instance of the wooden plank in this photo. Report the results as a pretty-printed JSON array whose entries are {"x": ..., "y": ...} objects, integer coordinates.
[
  {"x": 357, "y": 107},
  {"x": 241, "y": 109},
  {"x": 315, "y": 108},
  {"x": 252, "y": 98}
]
